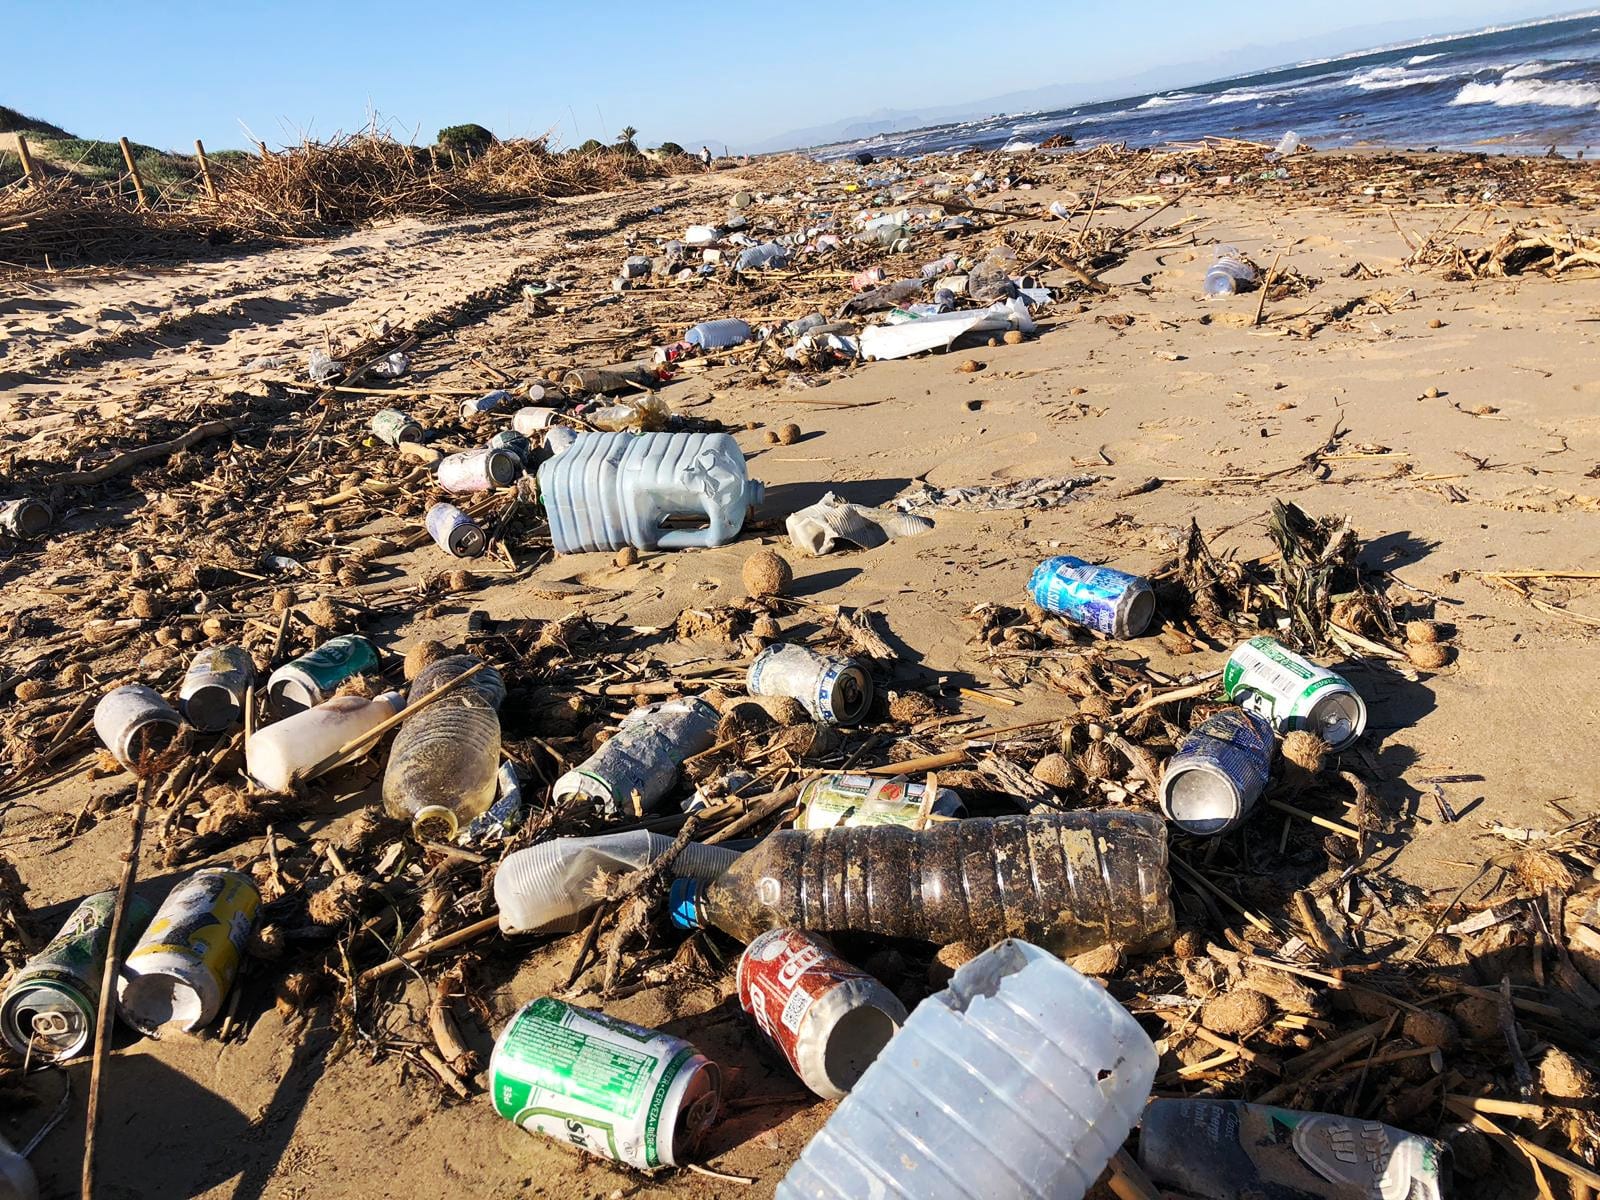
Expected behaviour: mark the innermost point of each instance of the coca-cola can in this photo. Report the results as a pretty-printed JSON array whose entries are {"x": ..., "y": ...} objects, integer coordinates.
[
  {"x": 829, "y": 1019},
  {"x": 479, "y": 470}
]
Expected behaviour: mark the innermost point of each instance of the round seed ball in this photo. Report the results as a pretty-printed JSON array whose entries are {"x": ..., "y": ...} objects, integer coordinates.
[
  {"x": 767, "y": 573},
  {"x": 626, "y": 557},
  {"x": 1236, "y": 1012},
  {"x": 970, "y": 366},
  {"x": 420, "y": 655},
  {"x": 32, "y": 689},
  {"x": 785, "y": 710},
  {"x": 1096, "y": 708},
  {"x": 1435, "y": 323},
  {"x": 1429, "y": 656},
  {"x": 282, "y": 601},
  {"x": 1100, "y": 961},
  {"x": 1425, "y": 631},
  {"x": 770, "y": 437},
  {"x": 1478, "y": 1018},
  {"x": 1306, "y": 751},
  {"x": 1431, "y": 393},
  {"x": 788, "y": 434},
  {"x": 1189, "y": 943},
  {"x": 908, "y": 708},
  {"x": 145, "y": 604},
  {"x": 1056, "y": 771},
  {"x": 73, "y": 675},
  {"x": 1013, "y": 337},
  {"x": 458, "y": 580},
  {"x": 323, "y": 614},
  {"x": 1430, "y": 1029},
  {"x": 743, "y": 719}
]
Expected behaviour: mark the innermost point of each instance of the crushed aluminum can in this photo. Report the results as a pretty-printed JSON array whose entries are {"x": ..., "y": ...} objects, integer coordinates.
[
  {"x": 1111, "y": 602},
  {"x": 182, "y": 968},
  {"x": 213, "y": 689},
  {"x": 479, "y": 470},
  {"x": 837, "y": 691},
  {"x": 454, "y": 532},
  {"x": 310, "y": 679},
  {"x": 502, "y": 818},
  {"x": 828, "y": 1018},
  {"x": 869, "y": 278},
  {"x": 25, "y": 518},
  {"x": 391, "y": 427},
  {"x": 133, "y": 718},
  {"x": 1218, "y": 773},
  {"x": 633, "y": 1095},
  {"x": 1293, "y": 693},
  {"x": 49, "y": 1008},
  {"x": 844, "y": 799}
]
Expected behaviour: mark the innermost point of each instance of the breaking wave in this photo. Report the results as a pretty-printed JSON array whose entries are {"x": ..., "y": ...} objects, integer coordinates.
[{"x": 1530, "y": 91}]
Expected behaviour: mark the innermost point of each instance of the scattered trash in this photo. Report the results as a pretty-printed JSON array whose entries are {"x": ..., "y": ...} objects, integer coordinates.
[
  {"x": 1230, "y": 272},
  {"x": 819, "y": 528},
  {"x": 485, "y": 403},
  {"x": 1017, "y": 1031},
  {"x": 1268, "y": 679},
  {"x": 442, "y": 767},
  {"x": 629, "y": 1094},
  {"x": 307, "y": 744},
  {"x": 454, "y": 532},
  {"x": 1218, "y": 773},
  {"x": 831, "y": 800},
  {"x": 829, "y": 1019},
  {"x": 133, "y": 720},
  {"x": 1117, "y": 604},
  {"x": 313, "y": 678},
  {"x": 320, "y": 368},
  {"x": 718, "y": 335},
  {"x": 25, "y": 518},
  {"x": 212, "y": 695},
  {"x": 639, "y": 764},
  {"x": 1051, "y": 492},
  {"x": 479, "y": 470},
  {"x": 392, "y": 427}
]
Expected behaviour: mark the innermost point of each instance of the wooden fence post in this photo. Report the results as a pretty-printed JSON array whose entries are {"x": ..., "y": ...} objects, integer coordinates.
[
  {"x": 205, "y": 168},
  {"x": 27, "y": 159},
  {"x": 133, "y": 170}
]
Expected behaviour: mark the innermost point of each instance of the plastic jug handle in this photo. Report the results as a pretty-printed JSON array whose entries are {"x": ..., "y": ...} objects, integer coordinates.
[{"x": 716, "y": 532}]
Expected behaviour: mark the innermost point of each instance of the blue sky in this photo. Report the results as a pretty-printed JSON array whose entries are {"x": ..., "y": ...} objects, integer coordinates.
[{"x": 167, "y": 72}]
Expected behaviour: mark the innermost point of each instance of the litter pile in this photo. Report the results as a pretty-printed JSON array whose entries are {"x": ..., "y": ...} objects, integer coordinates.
[{"x": 1003, "y": 948}]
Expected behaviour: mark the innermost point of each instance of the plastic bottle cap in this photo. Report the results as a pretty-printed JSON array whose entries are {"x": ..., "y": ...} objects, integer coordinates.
[{"x": 683, "y": 903}]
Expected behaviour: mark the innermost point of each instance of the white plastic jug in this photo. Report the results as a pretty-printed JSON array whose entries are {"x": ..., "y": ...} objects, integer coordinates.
[
  {"x": 1017, "y": 1082},
  {"x": 611, "y": 490}
]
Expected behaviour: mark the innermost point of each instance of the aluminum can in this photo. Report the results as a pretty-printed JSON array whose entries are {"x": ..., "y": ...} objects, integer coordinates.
[
  {"x": 862, "y": 280},
  {"x": 454, "y": 532},
  {"x": 312, "y": 678},
  {"x": 832, "y": 800},
  {"x": 134, "y": 717},
  {"x": 517, "y": 443},
  {"x": 1269, "y": 679},
  {"x": 183, "y": 966},
  {"x": 1111, "y": 602},
  {"x": 479, "y": 470},
  {"x": 1218, "y": 773},
  {"x": 50, "y": 1006},
  {"x": 214, "y": 686},
  {"x": 487, "y": 402},
  {"x": 529, "y": 421},
  {"x": 837, "y": 691},
  {"x": 828, "y": 1018},
  {"x": 25, "y": 518},
  {"x": 391, "y": 427},
  {"x": 640, "y": 764},
  {"x": 633, "y": 1095}
]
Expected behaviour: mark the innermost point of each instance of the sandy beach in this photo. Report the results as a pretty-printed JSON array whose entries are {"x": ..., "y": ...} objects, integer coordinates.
[{"x": 1454, "y": 421}]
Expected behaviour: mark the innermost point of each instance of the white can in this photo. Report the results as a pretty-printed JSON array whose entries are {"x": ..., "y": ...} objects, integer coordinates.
[
  {"x": 837, "y": 691},
  {"x": 529, "y": 421},
  {"x": 186, "y": 961},
  {"x": 479, "y": 470},
  {"x": 133, "y": 718},
  {"x": 213, "y": 689}
]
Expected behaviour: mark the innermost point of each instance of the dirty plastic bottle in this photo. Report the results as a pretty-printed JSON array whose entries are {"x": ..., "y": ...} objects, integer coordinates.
[
  {"x": 611, "y": 490},
  {"x": 718, "y": 335},
  {"x": 1066, "y": 881},
  {"x": 299, "y": 742},
  {"x": 441, "y": 770},
  {"x": 757, "y": 258},
  {"x": 547, "y": 887},
  {"x": 1017, "y": 1082},
  {"x": 1229, "y": 273}
]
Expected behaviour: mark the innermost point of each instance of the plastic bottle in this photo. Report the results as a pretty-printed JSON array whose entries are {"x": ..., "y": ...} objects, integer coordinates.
[
  {"x": 1067, "y": 881},
  {"x": 441, "y": 770},
  {"x": 616, "y": 489},
  {"x": 1017, "y": 1082},
  {"x": 300, "y": 742},
  {"x": 757, "y": 258},
  {"x": 718, "y": 335},
  {"x": 1229, "y": 273},
  {"x": 546, "y": 887}
]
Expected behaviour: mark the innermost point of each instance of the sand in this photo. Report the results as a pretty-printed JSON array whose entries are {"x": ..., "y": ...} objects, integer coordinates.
[{"x": 1455, "y": 423}]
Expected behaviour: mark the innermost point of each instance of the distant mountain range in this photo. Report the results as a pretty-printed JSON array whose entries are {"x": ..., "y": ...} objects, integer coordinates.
[{"x": 1245, "y": 60}]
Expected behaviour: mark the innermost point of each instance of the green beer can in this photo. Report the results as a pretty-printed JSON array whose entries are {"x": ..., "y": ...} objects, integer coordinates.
[
  {"x": 1267, "y": 678},
  {"x": 50, "y": 1005},
  {"x": 312, "y": 678},
  {"x": 633, "y": 1095}
]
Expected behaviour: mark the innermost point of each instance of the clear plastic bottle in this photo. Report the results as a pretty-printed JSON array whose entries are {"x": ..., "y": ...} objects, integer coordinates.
[
  {"x": 718, "y": 335},
  {"x": 297, "y": 743},
  {"x": 1229, "y": 273},
  {"x": 442, "y": 766},
  {"x": 1066, "y": 881},
  {"x": 1017, "y": 1082}
]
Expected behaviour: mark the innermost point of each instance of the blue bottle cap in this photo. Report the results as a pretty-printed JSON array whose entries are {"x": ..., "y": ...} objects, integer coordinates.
[{"x": 683, "y": 902}]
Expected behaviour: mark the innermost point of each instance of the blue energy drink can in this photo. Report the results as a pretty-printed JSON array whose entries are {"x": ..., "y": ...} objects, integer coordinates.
[
  {"x": 1112, "y": 602},
  {"x": 1218, "y": 773}
]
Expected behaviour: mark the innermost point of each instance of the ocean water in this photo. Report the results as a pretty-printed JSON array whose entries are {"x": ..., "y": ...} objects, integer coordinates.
[{"x": 1513, "y": 89}]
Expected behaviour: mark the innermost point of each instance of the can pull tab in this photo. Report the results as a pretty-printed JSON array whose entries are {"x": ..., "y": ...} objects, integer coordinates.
[{"x": 49, "y": 1025}]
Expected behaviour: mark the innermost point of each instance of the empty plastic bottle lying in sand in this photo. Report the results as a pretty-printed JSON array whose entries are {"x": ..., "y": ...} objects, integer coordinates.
[
  {"x": 546, "y": 888},
  {"x": 1229, "y": 273},
  {"x": 1067, "y": 881},
  {"x": 718, "y": 335},
  {"x": 615, "y": 489},
  {"x": 1017, "y": 1082},
  {"x": 303, "y": 743},
  {"x": 442, "y": 766}
]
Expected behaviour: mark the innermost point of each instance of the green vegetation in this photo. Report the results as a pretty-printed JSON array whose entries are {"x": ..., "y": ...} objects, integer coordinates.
[
  {"x": 472, "y": 138},
  {"x": 670, "y": 148},
  {"x": 11, "y": 121},
  {"x": 625, "y": 141},
  {"x": 591, "y": 146}
]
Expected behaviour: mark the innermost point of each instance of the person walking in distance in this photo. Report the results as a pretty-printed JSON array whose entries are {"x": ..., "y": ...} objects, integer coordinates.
[{"x": 705, "y": 156}]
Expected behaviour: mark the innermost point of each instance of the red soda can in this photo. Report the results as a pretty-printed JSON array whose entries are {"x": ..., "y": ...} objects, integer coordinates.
[{"x": 829, "y": 1018}]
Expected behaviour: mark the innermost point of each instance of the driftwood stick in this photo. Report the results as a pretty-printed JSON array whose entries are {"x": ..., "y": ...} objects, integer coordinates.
[
  {"x": 133, "y": 458},
  {"x": 417, "y": 953}
]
